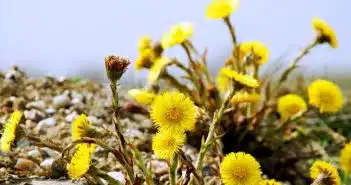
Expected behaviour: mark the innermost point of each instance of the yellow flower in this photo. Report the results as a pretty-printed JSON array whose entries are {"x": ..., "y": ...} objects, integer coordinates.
[
  {"x": 345, "y": 158},
  {"x": 243, "y": 79},
  {"x": 178, "y": 34},
  {"x": 173, "y": 111},
  {"x": 9, "y": 134},
  {"x": 245, "y": 97},
  {"x": 326, "y": 171},
  {"x": 269, "y": 182},
  {"x": 145, "y": 59},
  {"x": 157, "y": 68},
  {"x": 80, "y": 161},
  {"x": 80, "y": 127},
  {"x": 325, "y": 34},
  {"x": 219, "y": 9},
  {"x": 223, "y": 80},
  {"x": 259, "y": 51},
  {"x": 166, "y": 143},
  {"x": 290, "y": 105},
  {"x": 325, "y": 95},
  {"x": 240, "y": 169},
  {"x": 144, "y": 43},
  {"x": 142, "y": 96}
]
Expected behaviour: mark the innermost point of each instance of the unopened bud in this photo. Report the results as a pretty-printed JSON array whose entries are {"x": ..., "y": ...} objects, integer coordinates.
[{"x": 115, "y": 67}]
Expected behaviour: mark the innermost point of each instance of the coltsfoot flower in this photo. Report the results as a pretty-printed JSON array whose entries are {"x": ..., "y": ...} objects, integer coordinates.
[
  {"x": 157, "y": 68},
  {"x": 81, "y": 160},
  {"x": 325, "y": 95},
  {"x": 290, "y": 105},
  {"x": 145, "y": 59},
  {"x": 269, "y": 182},
  {"x": 144, "y": 43},
  {"x": 345, "y": 158},
  {"x": 223, "y": 80},
  {"x": 142, "y": 96},
  {"x": 240, "y": 169},
  {"x": 81, "y": 127},
  {"x": 243, "y": 79},
  {"x": 219, "y": 9},
  {"x": 173, "y": 111},
  {"x": 245, "y": 97},
  {"x": 325, "y": 172},
  {"x": 325, "y": 33},
  {"x": 9, "y": 134},
  {"x": 178, "y": 34},
  {"x": 166, "y": 143},
  {"x": 259, "y": 51}
]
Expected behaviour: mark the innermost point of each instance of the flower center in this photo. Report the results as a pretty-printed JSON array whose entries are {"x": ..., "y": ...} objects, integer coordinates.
[
  {"x": 326, "y": 98},
  {"x": 240, "y": 173},
  {"x": 169, "y": 141},
  {"x": 293, "y": 109},
  {"x": 173, "y": 114}
]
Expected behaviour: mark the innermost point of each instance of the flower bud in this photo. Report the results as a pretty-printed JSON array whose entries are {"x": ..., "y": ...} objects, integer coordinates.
[{"x": 115, "y": 67}]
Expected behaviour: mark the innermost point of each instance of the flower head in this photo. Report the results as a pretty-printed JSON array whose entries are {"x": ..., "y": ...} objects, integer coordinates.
[
  {"x": 325, "y": 95},
  {"x": 166, "y": 143},
  {"x": 240, "y": 169},
  {"x": 219, "y": 9},
  {"x": 259, "y": 51},
  {"x": 80, "y": 161},
  {"x": 9, "y": 134},
  {"x": 145, "y": 59},
  {"x": 144, "y": 43},
  {"x": 223, "y": 80},
  {"x": 142, "y": 96},
  {"x": 326, "y": 172},
  {"x": 173, "y": 111},
  {"x": 116, "y": 66},
  {"x": 345, "y": 158},
  {"x": 325, "y": 34},
  {"x": 157, "y": 68},
  {"x": 80, "y": 127},
  {"x": 178, "y": 34},
  {"x": 245, "y": 97},
  {"x": 290, "y": 105},
  {"x": 269, "y": 182},
  {"x": 243, "y": 79}
]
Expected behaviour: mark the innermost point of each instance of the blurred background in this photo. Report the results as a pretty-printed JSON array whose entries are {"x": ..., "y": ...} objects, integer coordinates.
[{"x": 71, "y": 38}]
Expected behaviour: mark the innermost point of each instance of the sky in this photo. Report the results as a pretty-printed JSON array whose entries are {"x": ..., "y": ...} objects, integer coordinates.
[{"x": 72, "y": 37}]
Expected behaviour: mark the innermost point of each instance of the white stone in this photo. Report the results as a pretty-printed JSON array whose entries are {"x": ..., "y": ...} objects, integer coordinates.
[
  {"x": 70, "y": 117},
  {"x": 45, "y": 122},
  {"x": 117, "y": 176},
  {"x": 36, "y": 104},
  {"x": 47, "y": 163},
  {"x": 34, "y": 153},
  {"x": 60, "y": 101}
]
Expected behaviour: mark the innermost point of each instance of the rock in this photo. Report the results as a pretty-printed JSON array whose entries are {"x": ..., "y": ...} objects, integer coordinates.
[
  {"x": 61, "y": 101},
  {"x": 146, "y": 124},
  {"x": 133, "y": 133},
  {"x": 117, "y": 176},
  {"x": 47, "y": 163},
  {"x": 70, "y": 117},
  {"x": 44, "y": 123},
  {"x": 25, "y": 165},
  {"x": 36, "y": 105},
  {"x": 50, "y": 153},
  {"x": 34, "y": 115},
  {"x": 159, "y": 167},
  {"x": 34, "y": 153},
  {"x": 76, "y": 101},
  {"x": 50, "y": 110}
]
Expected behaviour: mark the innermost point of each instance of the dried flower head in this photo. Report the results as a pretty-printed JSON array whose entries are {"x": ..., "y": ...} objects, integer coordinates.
[
  {"x": 9, "y": 134},
  {"x": 173, "y": 111},
  {"x": 269, "y": 182},
  {"x": 290, "y": 105},
  {"x": 219, "y": 9},
  {"x": 240, "y": 168},
  {"x": 325, "y": 172},
  {"x": 178, "y": 34},
  {"x": 325, "y": 33},
  {"x": 81, "y": 160},
  {"x": 142, "y": 96},
  {"x": 166, "y": 143},
  {"x": 242, "y": 79},
  {"x": 259, "y": 52},
  {"x": 325, "y": 95},
  {"x": 245, "y": 97},
  {"x": 345, "y": 158},
  {"x": 115, "y": 67}
]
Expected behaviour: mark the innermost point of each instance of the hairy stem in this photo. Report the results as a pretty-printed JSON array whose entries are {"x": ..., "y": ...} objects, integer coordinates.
[{"x": 173, "y": 170}]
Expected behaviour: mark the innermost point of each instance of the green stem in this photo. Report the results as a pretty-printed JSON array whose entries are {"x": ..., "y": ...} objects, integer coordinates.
[
  {"x": 293, "y": 64},
  {"x": 140, "y": 163},
  {"x": 231, "y": 30},
  {"x": 173, "y": 170}
]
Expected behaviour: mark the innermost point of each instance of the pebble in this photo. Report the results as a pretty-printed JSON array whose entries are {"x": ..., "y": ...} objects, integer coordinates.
[
  {"x": 34, "y": 115},
  {"x": 159, "y": 167},
  {"x": 47, "y": 163},
  {"x": 61, "y": 101},
  {"x": 51, "y": 153},
  {"x": 117, "y": 176},
  {"x": 36, "y": 104},
  {"x": 50, "y": 110},
  {"x": 133, "y": 133},
  {"x": 34, "y": 153},
  {"x": 25, "y": 164},
  {"x": 70, "y": 117},
  {"x": 45, "y": 122}
]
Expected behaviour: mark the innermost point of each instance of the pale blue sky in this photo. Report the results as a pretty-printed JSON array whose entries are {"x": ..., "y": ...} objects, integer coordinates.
[{"x": 70, "y": 37}]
